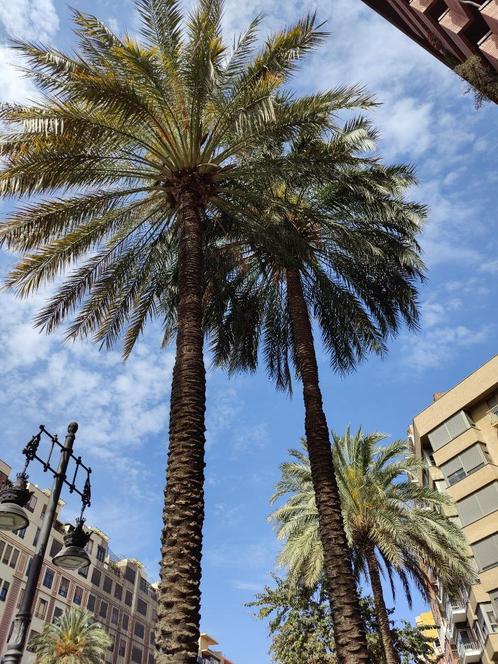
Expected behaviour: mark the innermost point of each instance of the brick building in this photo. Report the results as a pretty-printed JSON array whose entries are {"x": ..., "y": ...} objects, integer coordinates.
[{"x": 116, "y": 590}]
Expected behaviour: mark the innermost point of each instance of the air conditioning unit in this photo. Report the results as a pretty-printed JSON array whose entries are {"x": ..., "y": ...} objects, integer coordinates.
[{"x": 493, "y": 415}]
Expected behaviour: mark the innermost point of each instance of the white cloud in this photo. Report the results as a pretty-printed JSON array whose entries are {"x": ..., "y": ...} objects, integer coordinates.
[
  {"x": 118, "y": 405},
  {"x": 440, "y": 344},
  {"x": 13, "y": 85},
  {"x": 29, "y": 20}
]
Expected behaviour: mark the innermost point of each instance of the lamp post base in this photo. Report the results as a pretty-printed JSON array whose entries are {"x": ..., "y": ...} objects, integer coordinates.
[{"x": 17, "y": 640}]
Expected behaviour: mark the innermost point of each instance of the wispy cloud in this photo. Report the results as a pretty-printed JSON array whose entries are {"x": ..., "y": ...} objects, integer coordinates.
[{"x": 29, "y": 20}]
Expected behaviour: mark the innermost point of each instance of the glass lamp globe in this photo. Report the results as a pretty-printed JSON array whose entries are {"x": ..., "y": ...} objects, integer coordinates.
[{"x": 12, "y": 517}]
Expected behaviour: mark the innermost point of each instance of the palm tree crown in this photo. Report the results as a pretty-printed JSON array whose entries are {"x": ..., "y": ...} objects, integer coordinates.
[
  {"x": 74, "y": 638},
  {"x": 123, "y": 131},
  {"x": 381, "y": 505},
  {"x": 388, "y": 517}
]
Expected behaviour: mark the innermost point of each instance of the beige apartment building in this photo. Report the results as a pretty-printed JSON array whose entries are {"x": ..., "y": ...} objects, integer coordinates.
[
  {"x": 114, "y": 589},
  {"x": 458, "y": 437}
]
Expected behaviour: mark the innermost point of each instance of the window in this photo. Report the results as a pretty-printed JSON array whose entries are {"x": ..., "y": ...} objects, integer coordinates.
[
  {"x": 55, "y": 548},
  {"x": 141, "y": 606},
  {"x": 83, "y": 571},
  {"x": 478, "y": 504},
  {"x": 13, "y": 558},
  {"x": 118, "y": 591},
  {"x": 41, "y": 609},
  {"x": 103, "y": 609},
  {"x": 114, "y": 616},
  {"x": 36, "y": 537},
  {"x": 128, "y": 598},
  {"x": 151, "y": 659},
  {"x": 486, "y": 552},
  {"x": 139, "y": 630},
  {"x": 90, "y": 605},
  {"x": 57, "y": 613},
  {"x": 89, "y": 547},
  {"x": 48, "y": 579},
  {"x": 32, "y": 503},
  {"x": 449, "y": 430},
  {"x": 4, "y": 589},
  {"x": 78, "y": 595},
  {"x": 101, "y": 553},
  {"x": 2, "y": 545},
  {"x": 28, "y": 566},
  {"x": 130, "y": 574},
  {"x": 151, "y": 637},
  {"x": 96, "y": 577},
  {"x": 493, "y": 595},
  {"x": 64, "y": 587},
  {"x": 6, "y": 554},
  {"x": 125, "y": 621},
  {"x": 136, "y": 655},
  {"x": 122, "y": 648},
  {"x": 32, "y": 635},
  {"x": 465, "y": 463},
  {"x": 43, "y": 511},
  {"x": 107, "y": 584},
  {"x": 21, "y": 532},
  {"x": 144, "y": 585}
]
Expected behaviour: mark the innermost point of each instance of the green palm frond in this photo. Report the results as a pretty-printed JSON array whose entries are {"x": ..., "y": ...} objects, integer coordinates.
[
  {"x": 382, "y": 507},
  {"x": 74, "y": 638}
]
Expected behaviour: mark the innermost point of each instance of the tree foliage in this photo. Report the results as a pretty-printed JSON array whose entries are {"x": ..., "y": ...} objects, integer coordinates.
[
  {"x": 300, "y": 628},
  {"x": 482, "y": 79},
  {"x": 74, "y": 638},
  {"x": 382, "y": 507}
]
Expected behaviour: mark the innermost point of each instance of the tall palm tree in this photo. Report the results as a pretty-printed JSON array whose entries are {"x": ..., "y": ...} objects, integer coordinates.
[
  {"x": 389, "y": 520},
  {"x": 340, "y": 247},
  {"x": 139, "y": 147},
  {"x": 74, "y": 638}
]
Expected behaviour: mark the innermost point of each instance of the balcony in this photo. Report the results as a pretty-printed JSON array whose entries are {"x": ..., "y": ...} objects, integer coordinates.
[
  {"x": 458, "y": 611},
  {"x": 469, "y": 649}
]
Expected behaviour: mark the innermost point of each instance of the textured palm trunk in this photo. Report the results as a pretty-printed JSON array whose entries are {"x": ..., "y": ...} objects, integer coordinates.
[
  {"x": 177, "y": 631},
  {"x": 349, "y": 631},
  {"x": 380, "y": 609}
]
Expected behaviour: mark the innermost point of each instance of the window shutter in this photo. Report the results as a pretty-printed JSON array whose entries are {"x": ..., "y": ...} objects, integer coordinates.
[
  {"x": 472, "y": 458},
  {"x": 469, "y": 509},
  {"x": 486, "y": 552},
  {"x": 451, "y": 466}
]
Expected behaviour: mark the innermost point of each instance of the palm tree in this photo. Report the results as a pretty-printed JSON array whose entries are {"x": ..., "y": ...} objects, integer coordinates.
[
  {"x": 340, "y": 247},
  {"x": 389, "y": 520},
  {"x": 139, "y": 147},
  {"x": 74, "y": 638}
]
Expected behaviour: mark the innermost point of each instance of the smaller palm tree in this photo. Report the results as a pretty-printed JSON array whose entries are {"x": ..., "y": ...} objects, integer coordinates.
[
  {"x": 74, "y": 638},
  {"x": 390, "y": 521}
]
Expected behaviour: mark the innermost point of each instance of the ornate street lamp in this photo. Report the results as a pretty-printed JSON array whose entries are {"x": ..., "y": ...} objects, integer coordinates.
[
  {"x": 13, "y": 499},
  {"x": 73, "y": 554}
]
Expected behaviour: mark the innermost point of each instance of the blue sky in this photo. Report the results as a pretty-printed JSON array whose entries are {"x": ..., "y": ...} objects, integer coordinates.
[{"x": 122, "y": 408}]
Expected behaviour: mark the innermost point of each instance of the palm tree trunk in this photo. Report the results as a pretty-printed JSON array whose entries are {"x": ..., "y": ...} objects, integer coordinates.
[
  {"x": 177, "y": 631},
  {"x": 380, "y": 608},
  {"x": 349, "y": 631}
]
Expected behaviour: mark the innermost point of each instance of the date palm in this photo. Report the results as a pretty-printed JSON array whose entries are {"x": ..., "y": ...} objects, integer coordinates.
[
  {"x": 74, "y": 638},
  {"x": 390, "y": 520},
  {"x": 131, "y": 155},
  {"x": 340, "y": 248}
]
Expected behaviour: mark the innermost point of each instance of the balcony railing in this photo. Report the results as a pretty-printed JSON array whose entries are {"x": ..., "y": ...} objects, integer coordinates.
[{"x": 467, "y": 647}]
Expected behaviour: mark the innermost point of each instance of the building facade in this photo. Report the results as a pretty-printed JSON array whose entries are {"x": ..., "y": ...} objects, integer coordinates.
[
  {"x": 115, "y": 590},
  {"x": 451, "y": 30},
  {"x": 457, "y": 435}
]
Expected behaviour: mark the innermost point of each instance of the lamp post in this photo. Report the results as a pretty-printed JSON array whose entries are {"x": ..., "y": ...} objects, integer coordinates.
[{"x": 14, "y": 498}]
